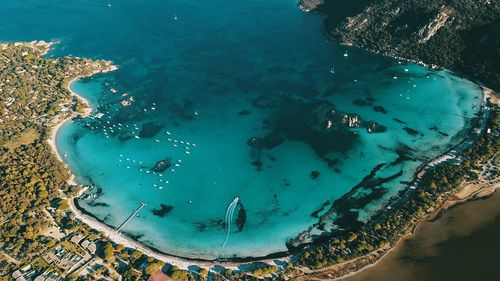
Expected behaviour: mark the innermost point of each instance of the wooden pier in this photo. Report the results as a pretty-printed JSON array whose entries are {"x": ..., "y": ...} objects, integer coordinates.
[{"x": 130, "y": 217}]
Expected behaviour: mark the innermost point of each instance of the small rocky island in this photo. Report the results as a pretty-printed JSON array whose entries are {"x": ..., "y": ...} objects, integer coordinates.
[{"x": 162, "y": 165}]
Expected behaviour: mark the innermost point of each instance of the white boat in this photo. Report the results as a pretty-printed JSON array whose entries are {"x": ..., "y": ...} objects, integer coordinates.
[
  {"x": 345, "y": 54},
  {"x": 332, "y": 70}
]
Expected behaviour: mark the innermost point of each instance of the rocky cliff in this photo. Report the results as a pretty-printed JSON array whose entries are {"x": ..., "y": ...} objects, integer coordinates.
[{"x": 463, "y": 35}]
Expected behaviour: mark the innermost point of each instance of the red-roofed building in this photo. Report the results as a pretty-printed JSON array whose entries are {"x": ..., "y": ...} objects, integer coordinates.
[{"x": 159, "y": 276}]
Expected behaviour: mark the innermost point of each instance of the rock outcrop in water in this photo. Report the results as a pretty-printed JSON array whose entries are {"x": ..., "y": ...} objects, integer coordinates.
[
  {"x": 162, "y": 211},
  {"x": 149, "y": 129},
  {"x": 317, "y": 123},
  {"x": 241, "y": 219},
  {"x": 309, "y": 5},
  {"x": 162, "y": 165}
]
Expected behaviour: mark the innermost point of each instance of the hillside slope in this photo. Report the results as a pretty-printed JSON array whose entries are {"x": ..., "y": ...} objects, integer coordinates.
[{"x": 463, "y": 35}]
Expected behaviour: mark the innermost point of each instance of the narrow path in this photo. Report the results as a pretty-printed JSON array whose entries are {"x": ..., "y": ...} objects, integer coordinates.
[{"x": 10, "y": 259}]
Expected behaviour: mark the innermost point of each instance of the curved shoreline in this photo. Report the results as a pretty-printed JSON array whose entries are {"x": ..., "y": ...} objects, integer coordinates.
[
  {"x": 481, "y": 192},
  {"x": 458, "y": 196},
  {"x": 172, "y": 259},
  {"x": 121, "y": 238},
  {"x": 182, "y": 262}
]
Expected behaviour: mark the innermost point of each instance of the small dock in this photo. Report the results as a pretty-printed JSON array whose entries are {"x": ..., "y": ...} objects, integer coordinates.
[{"x": 130, "y": 217}]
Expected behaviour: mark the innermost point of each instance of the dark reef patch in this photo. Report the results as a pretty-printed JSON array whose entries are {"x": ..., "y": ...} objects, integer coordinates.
[
  {"x": 403, "y": 155},
  {"x": 162, "y": 165},
  {"x": 314, "y": 175},
  {"x": 135, "y": 236},
  {"x": 162, "y": 211},
  {"x": 217, "y": 224},
  {"x": 400, "y": 121},
  {"x": 316, "y": 123},
  {"x": 272, "y": 158},
  {"x": 271, "y": 140},
  {"x": 286, "y": 182},
  {"x": 264, "y": 102},
  {"x": 315, "y": 214},
  {"x": 183, "y": 109},
  {"x": 344, "y": 211},
  {"x": 97, "y": 204},
  {"x": 257, "y": 164},
  {"x": 412, "y": 132},
  {"x": 241, "y": 219},
  {"x": 124, "y": 137},
  {"x": 243, "y": 113},
  {"x": 361, "y": 102},
  {"x": 381, "y": 109},
  {"x": 373, "y": 127},
  {"x": 332, "y": 162},
  {"x": 149, "y": 130}
]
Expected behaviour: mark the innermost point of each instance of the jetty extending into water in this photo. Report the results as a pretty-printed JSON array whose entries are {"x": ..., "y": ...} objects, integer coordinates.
[{"x": 130, "y": 217}]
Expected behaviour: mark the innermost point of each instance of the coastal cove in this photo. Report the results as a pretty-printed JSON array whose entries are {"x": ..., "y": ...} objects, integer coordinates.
[
  {"x": 478, "y": 151},
  {"x": 201, "y": 97}
]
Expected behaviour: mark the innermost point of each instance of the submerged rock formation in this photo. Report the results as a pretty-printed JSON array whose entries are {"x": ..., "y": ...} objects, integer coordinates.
[
  {"x": 162, "y": 211},
  {"x": 314, "y": 175},
  {"x": 162, "y": 165},
  {"x": 315, "y": 122},
  {"x": 149, "y": 130},
  {"x": 242, "y": 217}
]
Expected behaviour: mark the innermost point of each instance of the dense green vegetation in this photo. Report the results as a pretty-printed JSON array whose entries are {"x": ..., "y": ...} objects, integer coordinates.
[
  {"x": 31, "y": 94},
  {"x": 33, "y": 183},
  {"x": 467, "y": 37}
]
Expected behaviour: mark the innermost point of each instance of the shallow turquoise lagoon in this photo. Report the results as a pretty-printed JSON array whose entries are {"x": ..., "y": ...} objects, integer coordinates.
[{"x": 237, "y": 99}]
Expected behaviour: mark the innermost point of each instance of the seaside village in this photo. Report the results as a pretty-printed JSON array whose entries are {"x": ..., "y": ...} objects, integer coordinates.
[
  {"x": 40, "y": 238},
  {"x": 73, "y": 254},
  {"x": 70, "y": 254}
]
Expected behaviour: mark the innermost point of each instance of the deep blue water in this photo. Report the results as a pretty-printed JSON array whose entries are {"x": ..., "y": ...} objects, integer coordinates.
[{"x": 206, "y": 77}]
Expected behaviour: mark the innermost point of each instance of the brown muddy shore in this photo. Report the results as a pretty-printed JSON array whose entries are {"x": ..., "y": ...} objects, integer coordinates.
[{"x": 462, "y": 244}]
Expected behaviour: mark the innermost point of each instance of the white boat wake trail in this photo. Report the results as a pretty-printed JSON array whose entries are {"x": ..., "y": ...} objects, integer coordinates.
[{"x": 229, "y": 218}]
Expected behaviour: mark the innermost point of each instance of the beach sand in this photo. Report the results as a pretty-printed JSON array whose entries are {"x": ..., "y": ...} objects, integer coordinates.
[{"x": 59, "y": 123}]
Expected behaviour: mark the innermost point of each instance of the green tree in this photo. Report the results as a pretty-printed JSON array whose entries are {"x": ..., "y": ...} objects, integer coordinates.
[
  {"x": 108, "y": 252},
  {"x": 63, "y": 205}
]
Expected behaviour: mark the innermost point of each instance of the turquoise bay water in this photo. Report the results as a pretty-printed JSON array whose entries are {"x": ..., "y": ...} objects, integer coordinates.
[{"x": 195, "y": 70}]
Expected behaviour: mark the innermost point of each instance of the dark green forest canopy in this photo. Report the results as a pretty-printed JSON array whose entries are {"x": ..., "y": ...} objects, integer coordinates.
[{"x": 463, "y": 35}]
